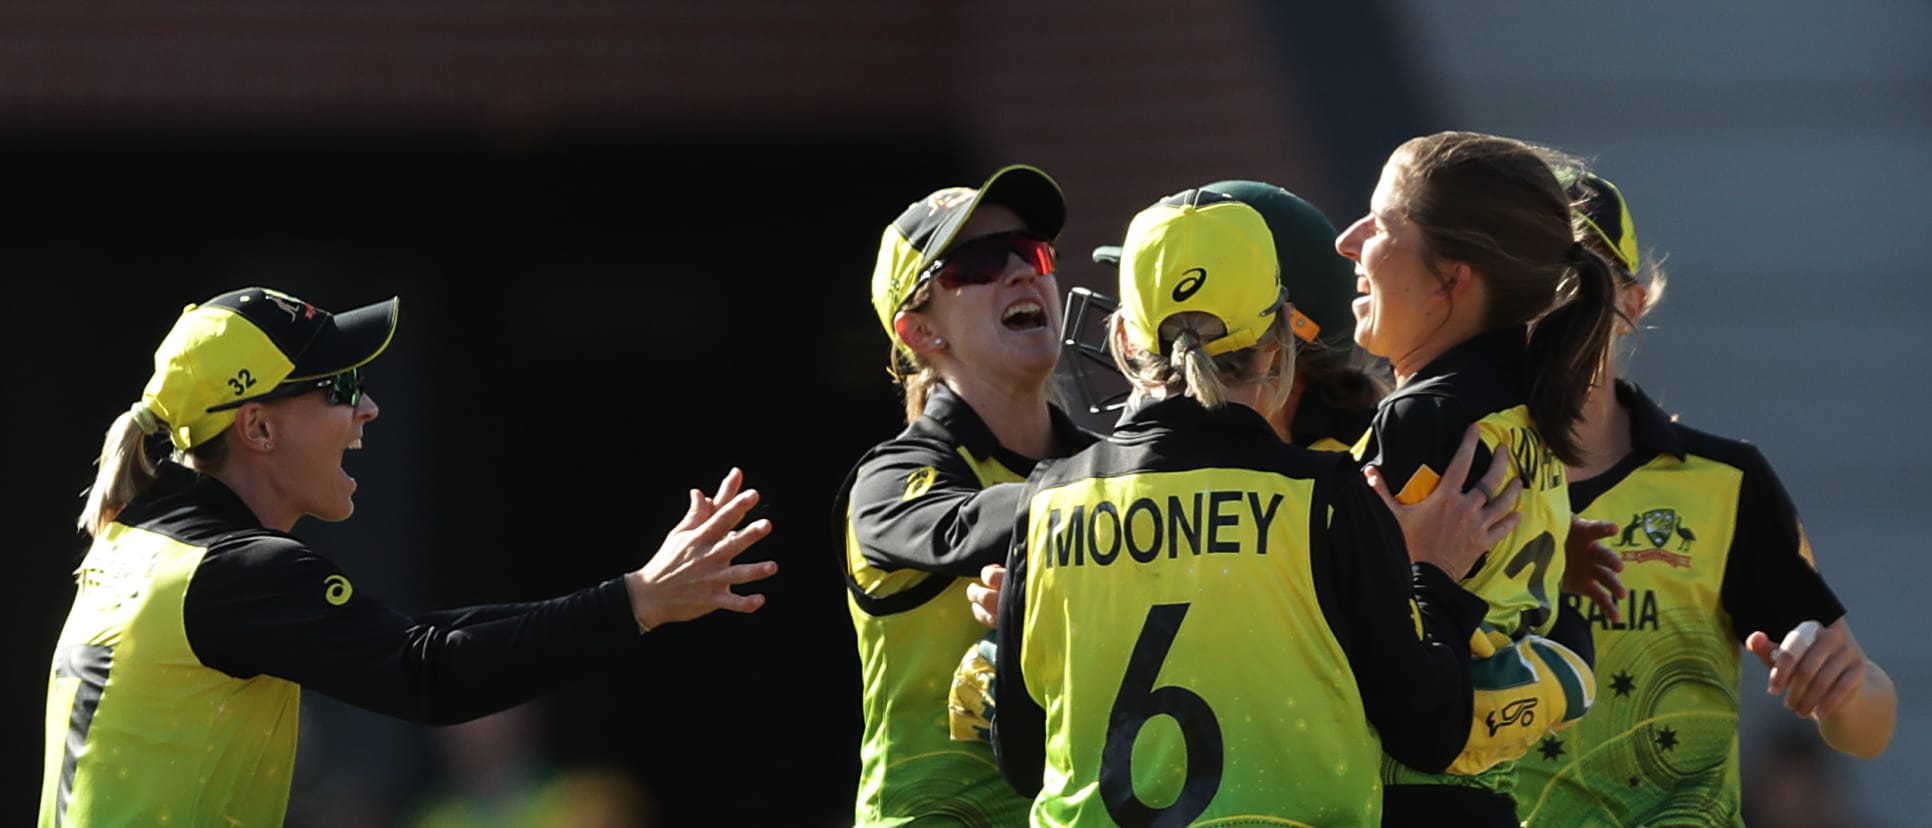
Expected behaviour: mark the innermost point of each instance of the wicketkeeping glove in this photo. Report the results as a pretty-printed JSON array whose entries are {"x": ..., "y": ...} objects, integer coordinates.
[
  {"x": 1524, "y": 690},
  {"x": 969, "y": 705}
]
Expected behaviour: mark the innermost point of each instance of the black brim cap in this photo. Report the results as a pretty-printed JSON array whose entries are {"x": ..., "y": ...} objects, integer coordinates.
[
  {"x": 350, "y": 339},
  {"x": 244, "y": 344},
  {"x": 1032, "y": 196},
  {"x": 1601, "y": 206},
  {"x": 316, "y": 342},
  {"x": 927, "y": 227}
]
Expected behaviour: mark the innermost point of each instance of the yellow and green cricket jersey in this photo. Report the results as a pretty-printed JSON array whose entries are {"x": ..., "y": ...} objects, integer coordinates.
[
  {"x": 1413, "y": 437},
  {"x": 1208, "y": 626},
  {"x": 921, "y": 515},
  {"x": 1713, "y": 550},
  {"x": 138, "y": 730},
  {"x": 176, "y": 683}
]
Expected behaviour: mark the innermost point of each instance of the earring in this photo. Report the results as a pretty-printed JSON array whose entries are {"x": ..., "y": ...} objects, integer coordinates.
[{"x": 939, "y": 342}]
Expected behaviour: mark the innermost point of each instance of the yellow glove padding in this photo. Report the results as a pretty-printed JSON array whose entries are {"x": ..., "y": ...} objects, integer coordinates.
[
  {"x": 969, "y": 705},
  {"x": 1524, "y": 690}
]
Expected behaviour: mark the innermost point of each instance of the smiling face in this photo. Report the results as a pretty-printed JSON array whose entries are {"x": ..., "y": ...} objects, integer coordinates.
[
  {"x": 1403, "y": 301},
  {"x": 1010, "y": 326},
  {"x": 310, "y": 436}
]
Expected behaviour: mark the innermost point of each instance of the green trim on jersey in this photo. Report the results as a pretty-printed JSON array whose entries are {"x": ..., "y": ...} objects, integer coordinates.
[
  {"x": 138, "y": 730},
  {"x": 910, "y": 767}
]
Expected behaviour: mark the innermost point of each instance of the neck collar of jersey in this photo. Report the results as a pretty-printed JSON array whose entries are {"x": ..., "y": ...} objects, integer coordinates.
[
  {"x": 1652, "y": 431},
  {"x": 172, "y": 478},
  {"x": 958, "y": 418},
  {"x": 1182, "y": 412},
  {"x": 1500, "y": 351}
]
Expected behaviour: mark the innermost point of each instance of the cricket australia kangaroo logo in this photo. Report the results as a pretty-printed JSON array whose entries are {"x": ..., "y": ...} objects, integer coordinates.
[{"x": 1669, "y": 539}]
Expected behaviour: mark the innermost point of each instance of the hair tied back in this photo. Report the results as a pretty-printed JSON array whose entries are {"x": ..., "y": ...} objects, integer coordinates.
[
  {"x": 1573, "y": 256},
  {"x": 144, "y": 418}
]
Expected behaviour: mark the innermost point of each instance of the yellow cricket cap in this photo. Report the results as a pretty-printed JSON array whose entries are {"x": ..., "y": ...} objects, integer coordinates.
[
  {"x": 1203, "y": 251},
  {"x": 246, "y": 343},
  {"x": 923, "y": 231}
]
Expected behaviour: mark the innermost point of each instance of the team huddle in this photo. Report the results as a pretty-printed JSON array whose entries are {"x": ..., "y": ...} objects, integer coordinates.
[
  {"x": 1379, "y": 537},
  {"x": 1490, "y": 583}
]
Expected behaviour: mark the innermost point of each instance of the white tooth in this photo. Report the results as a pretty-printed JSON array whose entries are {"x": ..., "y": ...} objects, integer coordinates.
[{"x": 356, "y": 445}]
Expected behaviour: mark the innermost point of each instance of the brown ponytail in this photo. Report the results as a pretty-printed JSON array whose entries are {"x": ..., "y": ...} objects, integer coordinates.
[
  {"x": 1495, "y": 203},
  {"x": 1566, "y": 349}
]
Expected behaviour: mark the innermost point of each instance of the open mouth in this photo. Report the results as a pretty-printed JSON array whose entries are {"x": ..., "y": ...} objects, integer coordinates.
[{"x": 1024, "y": 316}]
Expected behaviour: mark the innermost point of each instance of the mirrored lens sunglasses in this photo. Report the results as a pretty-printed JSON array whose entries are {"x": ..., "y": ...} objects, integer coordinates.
[{"x": 983, "y": 260}]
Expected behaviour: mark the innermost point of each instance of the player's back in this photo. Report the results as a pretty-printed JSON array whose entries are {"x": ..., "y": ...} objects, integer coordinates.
[{"x": 1173, "y": 633}]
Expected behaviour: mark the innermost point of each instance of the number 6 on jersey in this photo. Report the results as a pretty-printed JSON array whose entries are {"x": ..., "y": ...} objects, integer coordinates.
[{"x": 1137, "y": 702}]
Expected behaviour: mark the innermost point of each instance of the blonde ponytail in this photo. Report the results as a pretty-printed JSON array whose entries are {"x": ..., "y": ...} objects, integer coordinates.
[
  {"x": 125, "y": 471},
  {"x": 1200, "y": 377},
  {"x": 1190, "y": 371}
]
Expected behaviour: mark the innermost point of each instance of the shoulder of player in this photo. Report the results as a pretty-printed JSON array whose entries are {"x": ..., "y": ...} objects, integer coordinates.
[
  {"x": 914, "y": 448},
  {"x": 1742, "y": 455},
  {"x": 917, "y": 461},
  {"x": 1423, "y": 415},
  {"x": 1071, "y": 434},
  {"x": 190, "y": 519},
  {"x": 1188, "y": 450},
  {"x": 255, "y": 548}
]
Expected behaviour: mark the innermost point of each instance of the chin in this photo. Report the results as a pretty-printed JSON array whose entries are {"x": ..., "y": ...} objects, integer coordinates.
[
  {"x": 336, "y": 514},
  {"x": 1041, "y": 362}
]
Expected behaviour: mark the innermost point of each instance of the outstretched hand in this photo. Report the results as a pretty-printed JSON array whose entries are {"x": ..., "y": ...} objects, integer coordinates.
[
  {"x": 1590, "y": 566},
  {"x": 1451, "y": 528},
  {"x": 985, "y": 595},
  {"x": 1816, "y": 668},
  {"x": 692, "y": 573}
]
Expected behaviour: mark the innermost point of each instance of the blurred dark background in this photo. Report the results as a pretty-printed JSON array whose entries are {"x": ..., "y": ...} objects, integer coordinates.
[{"x": 633, "y": 240}]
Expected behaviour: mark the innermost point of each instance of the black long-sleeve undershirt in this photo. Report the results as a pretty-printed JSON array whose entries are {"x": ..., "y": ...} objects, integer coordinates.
[{"x": 262, "y": 604}]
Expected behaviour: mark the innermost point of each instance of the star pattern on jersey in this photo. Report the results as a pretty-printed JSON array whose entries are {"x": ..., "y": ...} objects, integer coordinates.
[
  {"x": 1551, "y": 748},
  {"x": 1622, "y": 684},
  {"x": 1666, "y": 739}
]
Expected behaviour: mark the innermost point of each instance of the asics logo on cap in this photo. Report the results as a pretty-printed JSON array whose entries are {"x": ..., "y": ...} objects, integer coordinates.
[{"x": 1190, "y": 285}]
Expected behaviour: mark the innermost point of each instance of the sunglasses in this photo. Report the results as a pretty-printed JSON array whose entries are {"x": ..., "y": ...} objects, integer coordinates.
[
  {"x": 983, "y": 260},
  {"x": 343, "y": 389}
]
